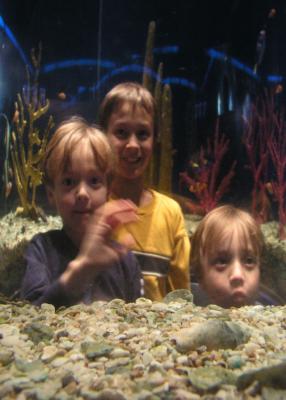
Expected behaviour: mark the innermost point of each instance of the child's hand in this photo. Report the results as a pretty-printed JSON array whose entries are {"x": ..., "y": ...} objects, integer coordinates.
[
  {"x": 97, "y": 250},
  {"x": 118, "y": 212},
  {"x": 105, "y": 220}
]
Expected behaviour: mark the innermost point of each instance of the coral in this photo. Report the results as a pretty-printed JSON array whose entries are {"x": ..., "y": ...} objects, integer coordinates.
[
  {"x": 28, "y": 144},
  {"x": 277, "y": 148},
  {"x": 255, "y": 136},
  {"x": 265, "y": 141},
  {"x": 203, "y": 178}
]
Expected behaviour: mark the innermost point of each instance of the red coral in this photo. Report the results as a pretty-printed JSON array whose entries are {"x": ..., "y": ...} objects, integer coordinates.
[
  {"x": 277, "y": 148},
  {"x": 203, "y": 178},
  {"x": 255, "y": 140},
  {"x": 265, "y": 139}
]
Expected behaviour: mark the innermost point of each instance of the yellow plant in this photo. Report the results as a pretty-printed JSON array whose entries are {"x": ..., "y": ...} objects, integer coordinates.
[
  {"x": 159, "y": 172},
  {"x": 29, "y": 142}
]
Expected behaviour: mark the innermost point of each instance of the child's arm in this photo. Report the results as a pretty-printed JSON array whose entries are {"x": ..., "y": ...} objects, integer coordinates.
[
  {"x": 97, "y": 251},
  {"x": 51, "y": 278},
  {"x": 44, "y": 264}
]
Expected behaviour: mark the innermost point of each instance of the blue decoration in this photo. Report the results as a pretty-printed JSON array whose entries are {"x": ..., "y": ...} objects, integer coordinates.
[{"x": 14, "y": 41}]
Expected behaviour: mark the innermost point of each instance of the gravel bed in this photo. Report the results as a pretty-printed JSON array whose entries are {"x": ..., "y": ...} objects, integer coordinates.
[{"x": 143, "y": 350}]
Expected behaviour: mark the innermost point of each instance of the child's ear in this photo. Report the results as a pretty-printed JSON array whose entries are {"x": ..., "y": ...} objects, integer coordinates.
[{"x": 50, "y": 195}]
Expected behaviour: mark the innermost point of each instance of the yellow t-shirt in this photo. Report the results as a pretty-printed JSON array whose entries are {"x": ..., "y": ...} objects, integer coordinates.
[{"x": 161, "y": 245}]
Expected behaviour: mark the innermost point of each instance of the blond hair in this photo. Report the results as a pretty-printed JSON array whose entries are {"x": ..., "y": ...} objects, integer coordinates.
[
  {"x": 65, "y": 140},
  {"x": 128, "y": 92},
  {"x": 218, "y": 225}
]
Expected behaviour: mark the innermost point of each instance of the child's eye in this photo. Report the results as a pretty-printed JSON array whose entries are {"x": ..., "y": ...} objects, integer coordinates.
[
  {"x": 250, "y": 261},
  {"x": 143, "y": 135},
  {"x": 67, "y": 182},
  {"x": 220, "y": 263},
  {"x": 121, "y": 133},
  {"x": 96, "y": 181}
]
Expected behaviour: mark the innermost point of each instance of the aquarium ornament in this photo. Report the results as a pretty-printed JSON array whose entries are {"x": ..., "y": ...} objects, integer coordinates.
[
  {"x": 275, "y": 78},
  {"x": 121, "y": 70},
  {"x": 136, "y": 68},
  {"x": 180, "y": 81},
  {"x": 14, "y": 41},
  {"x": 166, "y": 50},
  {"x": 218, "y": 55},
  {"x": 82, "y": 62}
]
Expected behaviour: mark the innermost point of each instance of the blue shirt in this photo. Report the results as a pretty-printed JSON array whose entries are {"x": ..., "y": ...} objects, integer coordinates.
[{"x": 47, "y": 257}]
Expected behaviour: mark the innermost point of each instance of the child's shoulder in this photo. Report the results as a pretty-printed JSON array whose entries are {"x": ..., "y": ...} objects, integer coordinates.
[
  {"x": 268, "y": 297},
  {"x": 54, "y": 234},
  {"x": 54, "y": 238},
  {"x": 165, "y": 199}
]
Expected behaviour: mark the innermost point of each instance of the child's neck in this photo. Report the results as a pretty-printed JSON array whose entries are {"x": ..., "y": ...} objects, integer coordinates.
[{"x": 131, "y": 189}]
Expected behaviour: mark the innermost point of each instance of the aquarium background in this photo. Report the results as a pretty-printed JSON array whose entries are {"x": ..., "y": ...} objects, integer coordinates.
[{"x": 216, "y": 59}]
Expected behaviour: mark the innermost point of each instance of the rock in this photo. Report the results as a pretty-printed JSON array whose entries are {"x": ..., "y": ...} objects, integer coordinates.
[
  {"x": 28, "y": 367},
  {"x": 235, "y": 362},
  {"x": 186, "y": 395},
  {"x": 268, "y": 376},
  {"x": 106, "y": 394},
  {"x": 214, "y": 334},
  {"x": 6, "y": 357},
  {"x": 38, "y": 332},
  {"x": 208, "y": 379},
  {"x": 269, "y": 393},
  {"x": 50, "y": 353},
  {"x": 179, "y": 294},
  {"x": 94, "y": 350},
  {"x": 118, "y": 352}
]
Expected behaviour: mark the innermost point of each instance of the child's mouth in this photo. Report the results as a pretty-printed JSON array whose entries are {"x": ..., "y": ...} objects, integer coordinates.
[
  {"x": 239, "y": 295},
  {"x": 132, "y": 160}
]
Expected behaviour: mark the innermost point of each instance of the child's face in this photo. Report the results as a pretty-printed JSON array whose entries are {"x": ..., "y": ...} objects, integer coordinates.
[
  {"x": 131, "y": 134},
  {"x": 230, "y": 275},
  {"x": 78, "y": 192}
]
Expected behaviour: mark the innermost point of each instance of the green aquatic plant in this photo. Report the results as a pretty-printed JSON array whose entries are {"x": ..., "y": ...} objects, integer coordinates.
[
  {"x": 149, "y": 59},
  {"x": 7, "y": 184},
  {"x": 159, "y": 172},
  {"x": 166, "y": 149},
  {"x": 29, "y": 141}
]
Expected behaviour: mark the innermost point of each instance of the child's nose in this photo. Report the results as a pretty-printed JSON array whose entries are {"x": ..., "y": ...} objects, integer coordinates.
[
  {"x": 132, "y": 142},
  {"x": 237, "y": 275},
  {"x": 82, "y": 192}
]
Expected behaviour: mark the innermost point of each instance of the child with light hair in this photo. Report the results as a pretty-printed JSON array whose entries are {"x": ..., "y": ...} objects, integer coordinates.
[
  {"x": 226, "y": 256},
  {"x": 161, "y": 242},
  {"x": 80, "y": 262}
]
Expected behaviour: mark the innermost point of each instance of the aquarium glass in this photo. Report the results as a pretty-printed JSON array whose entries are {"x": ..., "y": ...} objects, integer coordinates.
[{"x": 223, "y": 62}]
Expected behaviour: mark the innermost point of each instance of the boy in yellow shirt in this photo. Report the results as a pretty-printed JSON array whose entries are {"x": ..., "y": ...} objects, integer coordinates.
[{"x": 161, "y": 243}]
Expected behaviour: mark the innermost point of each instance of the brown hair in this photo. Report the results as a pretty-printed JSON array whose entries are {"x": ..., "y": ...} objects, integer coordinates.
[
  {"x": 66, "y": 138},
  {"x": 129, "y": 92},
  {"x": 216, "y": 226}
]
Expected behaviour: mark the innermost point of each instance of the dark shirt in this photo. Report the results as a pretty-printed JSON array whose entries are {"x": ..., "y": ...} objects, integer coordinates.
[{"x": 47, "y": 257}]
